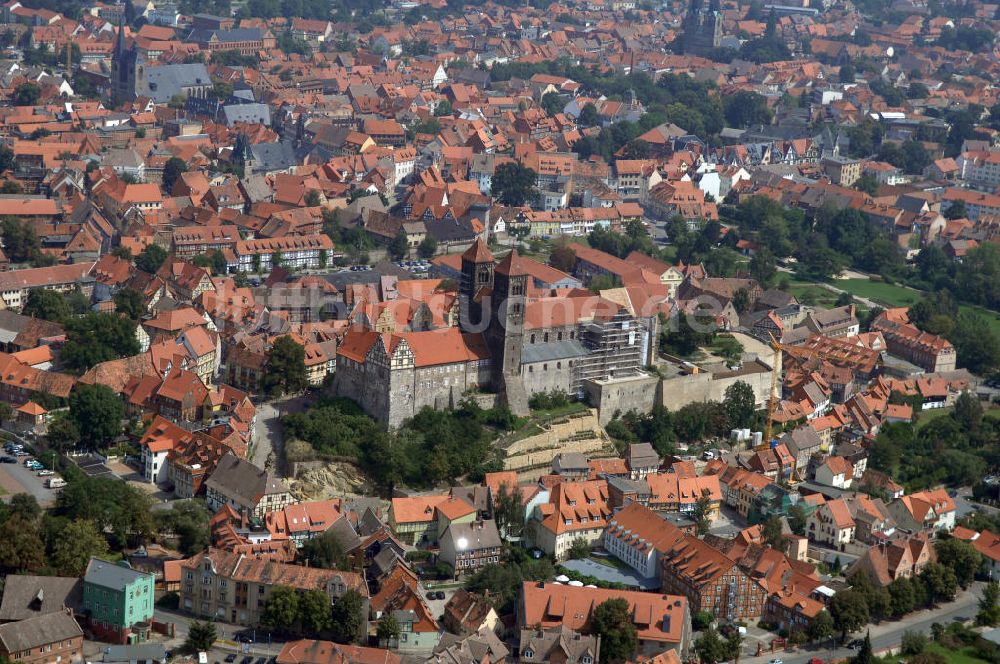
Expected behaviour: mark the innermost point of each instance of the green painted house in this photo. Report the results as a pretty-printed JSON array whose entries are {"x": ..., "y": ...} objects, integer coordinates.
[{"x": 118, "y": 601}]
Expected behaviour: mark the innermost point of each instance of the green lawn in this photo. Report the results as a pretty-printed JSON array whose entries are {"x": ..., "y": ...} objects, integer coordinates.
[
  {"x": 610, "y": 561},
  {"x": 992, "y": 318},
  {"x": 928, "y": 416},
  {"x": 883, "y": 293},
  {"x": 889, "y": 295},
  {"x": 963, "y": 656},
  {"x": 812, "y": 294}
]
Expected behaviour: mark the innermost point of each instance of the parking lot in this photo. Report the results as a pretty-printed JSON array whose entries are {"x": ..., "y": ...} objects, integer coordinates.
[{"x": 16, "y": 478}]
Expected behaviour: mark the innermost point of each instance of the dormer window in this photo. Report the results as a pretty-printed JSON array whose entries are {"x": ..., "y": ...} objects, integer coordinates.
[
  {"x": 586, "y": 659},
  {"x": 529, "y": 653}
]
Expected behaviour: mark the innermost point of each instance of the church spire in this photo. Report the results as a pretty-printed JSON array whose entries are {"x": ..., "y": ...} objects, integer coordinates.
[{"x": 120, "y": 39}]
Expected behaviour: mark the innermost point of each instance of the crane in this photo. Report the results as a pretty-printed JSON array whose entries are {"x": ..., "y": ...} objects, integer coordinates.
[{"x": 772, "y": 397}]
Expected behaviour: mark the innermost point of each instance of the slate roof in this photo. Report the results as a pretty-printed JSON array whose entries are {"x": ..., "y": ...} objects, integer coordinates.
[
  {"x": 270, "y": 157},
  {"x": 38, "y": 631},
  {"x": 239, "y": 479},
  {"x": 25, "y": 595},
  {"x": 163, "y": 82},
  {"x": 111, "y": 575},
  {"x": 252, "y": 113}
]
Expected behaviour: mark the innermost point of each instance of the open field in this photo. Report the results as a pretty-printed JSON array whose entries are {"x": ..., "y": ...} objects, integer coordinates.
[{"x": 963, "y": 656}]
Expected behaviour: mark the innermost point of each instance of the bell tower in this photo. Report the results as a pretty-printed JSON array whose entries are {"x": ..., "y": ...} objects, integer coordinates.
[{"x": 477, "y": 274}]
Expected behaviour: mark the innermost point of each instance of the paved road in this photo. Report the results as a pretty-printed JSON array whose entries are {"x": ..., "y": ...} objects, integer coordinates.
[
  {"x": 267, "y": 436},
  {"x": 888, "y": 634},
  {"x": 268, "y": 446}
]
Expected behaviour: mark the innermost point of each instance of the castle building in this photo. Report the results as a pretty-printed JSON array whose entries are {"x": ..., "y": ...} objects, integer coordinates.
[{"x": 512, "y": 338}]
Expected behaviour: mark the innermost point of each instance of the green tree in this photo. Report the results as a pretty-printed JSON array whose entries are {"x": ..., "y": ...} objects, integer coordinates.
[
  {"x": 589, "y": 117},
  {"x": 746, "y": 108},
  {"x": 868, "y": 184},
  {"x": 77, "y": 543},
  {"x": 26, "y": 506},
  {"x": 739, "y": 404},
  {"x": 427, "y": 247},
  {"x": 763, "y": 266},
  {"x": 820, "y": 262},
  {"x": 578, "y": 548},
  {"x": 864, "y": 654},
  {"x": 976, "y": 345},
  {"x": 347, "y": 618},
  {"x": 956, "y": 210},
  {"x": 700, "y": 514},
  {"x": 47, "y": 304},
  {"x": 821, "y": 626},
  {"x": 172, "y": 171},
  {"x": 797, "y": 519},
  {"x": 702, "y": 620},
  {"x": 188, "y": 521},
  {"x": 62, "y": 434},
  {"x": 26, "y": 94},
  {"x": 21, "y": 545},
  {"x": 314, "y": 611},
  {"x": 563, "y": 257},
  {"x": 285, "y": 371},
  {"x": 151, "y": 258},
  {"x": 960, "y": 557},
  {"x": 513, "y": 184},
  {"x": 120, "y": 511},
  {"x": 552, "y": 103},
  {"x": 508, "y": 511},
  {"x": 399, "y": 245},
  {"x": 771, "y": 532},
  {"x": 131, "y": 303},
  {"x": 281, "y": 610},
  {"x": 97, "y": 412},
  {"x": 849, "y": 611},
  {"x": 913, "y": 642},
  {"x": 324, "y": 552},
  {"x": 613, "y": 623},
  {"x": 989, "y": 605},
  {"x": 940, "y": 582},
  {"x": 20, "y": 242},
  {"x": 902, "y": 597},
  {"x": 201, "y": 637},
  {"x": 387, "y": 631}
]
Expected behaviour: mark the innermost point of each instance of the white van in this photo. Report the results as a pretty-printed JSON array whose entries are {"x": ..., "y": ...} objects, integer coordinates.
[{"x": 55, "y": 482}]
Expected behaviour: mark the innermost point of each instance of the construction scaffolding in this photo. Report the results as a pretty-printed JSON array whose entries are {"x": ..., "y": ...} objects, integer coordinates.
[{"x": 615, "y": 347}]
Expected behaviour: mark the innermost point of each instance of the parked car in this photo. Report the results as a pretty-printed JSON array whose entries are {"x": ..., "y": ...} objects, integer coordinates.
[
  {"x": 8, "y": 459},
  {"x": 230, "y": 658},
  {"x": 45, "y": 472},
  {"x": 55, "y": 483}
]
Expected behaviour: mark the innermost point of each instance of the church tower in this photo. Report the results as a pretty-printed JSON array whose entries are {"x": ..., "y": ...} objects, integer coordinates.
[
  {"x": 477, "y": 274},
  {"x": 124, "y": 67},
  {"x": 505, "y": 335},
  {"x": 242, "y": 154}
]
